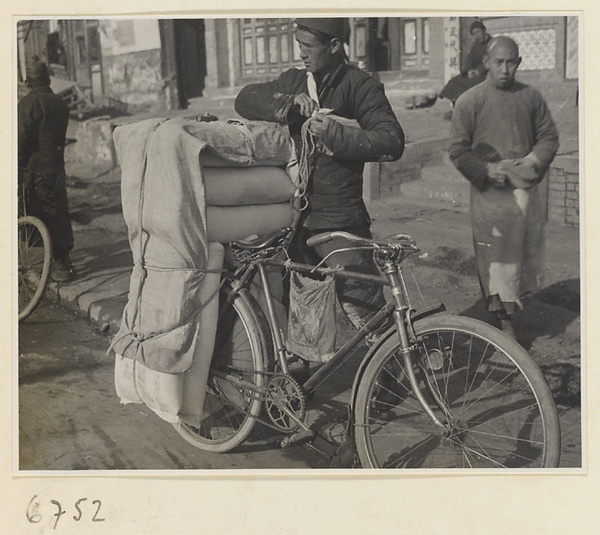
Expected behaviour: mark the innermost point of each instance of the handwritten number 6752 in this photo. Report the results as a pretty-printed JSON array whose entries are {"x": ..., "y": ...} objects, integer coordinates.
[{"x": 34, "y": 516}]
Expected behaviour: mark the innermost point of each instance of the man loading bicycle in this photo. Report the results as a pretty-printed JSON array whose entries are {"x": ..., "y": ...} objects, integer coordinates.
[{"x": 335, "y": 194}]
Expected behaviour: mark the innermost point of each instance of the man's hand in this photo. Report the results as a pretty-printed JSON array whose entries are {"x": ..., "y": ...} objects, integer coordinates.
[
  {"x": 497, "y": 175},
  {"x": 306, "y": 104},
  {"x": 531, "y": 160},
  {"x": 524, "y": 172},
  {"x": 319, "y": 123},
  {"x": 471, "y": 73}
]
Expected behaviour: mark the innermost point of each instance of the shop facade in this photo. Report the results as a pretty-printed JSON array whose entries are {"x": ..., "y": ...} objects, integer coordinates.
[{"x": 154, "y": 64}]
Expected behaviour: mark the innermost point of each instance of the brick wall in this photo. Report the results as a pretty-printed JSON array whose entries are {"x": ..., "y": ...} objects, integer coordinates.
[{"x": 563, "y": 191}]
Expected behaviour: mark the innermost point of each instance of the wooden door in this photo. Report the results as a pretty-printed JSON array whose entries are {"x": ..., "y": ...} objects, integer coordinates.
[{"x": 414, "y": 45}]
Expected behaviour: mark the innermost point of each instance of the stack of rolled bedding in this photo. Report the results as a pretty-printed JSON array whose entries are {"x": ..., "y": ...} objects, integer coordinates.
[
  {"x": 241, "y": 201},
  {"x": 163, "y": 348}
]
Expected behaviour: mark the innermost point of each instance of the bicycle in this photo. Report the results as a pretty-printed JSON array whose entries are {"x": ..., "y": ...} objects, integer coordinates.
[
  {"x": 34, "y": 249},
  {"x": 434, "y": 390},
  {"x": 34, "y": 262}
]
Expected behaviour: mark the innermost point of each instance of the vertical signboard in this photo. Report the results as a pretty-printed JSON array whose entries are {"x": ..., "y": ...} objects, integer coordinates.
[{"x": 451, "y": 47}]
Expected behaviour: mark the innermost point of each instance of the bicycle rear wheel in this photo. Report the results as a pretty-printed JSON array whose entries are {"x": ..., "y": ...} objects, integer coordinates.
[
  {"x": 243, "y": 352},
  {"x": 35, "y": 258},
  {"x": 491, "y": 397}
]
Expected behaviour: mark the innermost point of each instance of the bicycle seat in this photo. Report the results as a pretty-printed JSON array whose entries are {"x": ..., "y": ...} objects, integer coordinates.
[{"x": 255, "y": 243}]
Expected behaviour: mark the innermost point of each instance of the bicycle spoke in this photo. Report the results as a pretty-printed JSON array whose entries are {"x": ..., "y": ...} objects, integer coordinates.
[
  {"x": 231, "y": 407},
  {"x": 472, "y": 384}
]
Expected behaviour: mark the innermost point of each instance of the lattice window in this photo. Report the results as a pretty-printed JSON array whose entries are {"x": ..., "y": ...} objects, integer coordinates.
[
  {"x": 536, "y": 47},
  {"x": 268, "y": 47}
]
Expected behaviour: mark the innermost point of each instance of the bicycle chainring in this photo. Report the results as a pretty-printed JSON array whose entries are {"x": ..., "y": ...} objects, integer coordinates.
[{"x": 284, "y": 397}]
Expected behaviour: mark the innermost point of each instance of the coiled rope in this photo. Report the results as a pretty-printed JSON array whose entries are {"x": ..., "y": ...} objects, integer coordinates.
[{"x": 306, "y": 165}]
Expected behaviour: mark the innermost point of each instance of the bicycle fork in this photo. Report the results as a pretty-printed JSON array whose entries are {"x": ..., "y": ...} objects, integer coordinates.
[{"x": 407, "y": 346}]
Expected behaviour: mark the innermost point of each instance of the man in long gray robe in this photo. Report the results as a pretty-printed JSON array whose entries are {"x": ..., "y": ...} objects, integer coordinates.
[{"x": 503, "y": 141}]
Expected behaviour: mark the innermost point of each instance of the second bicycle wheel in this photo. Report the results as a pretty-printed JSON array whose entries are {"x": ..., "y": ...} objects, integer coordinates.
[
  {"x": 34, "y": 260},
  {"x": 491, "y": 397},
  {"x": 233, "y": 400}
]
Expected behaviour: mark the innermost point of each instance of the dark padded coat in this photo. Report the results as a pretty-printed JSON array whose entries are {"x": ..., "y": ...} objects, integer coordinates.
[
  {"x": 43, "y": 121},
  {"x": 335, "y": 195}
]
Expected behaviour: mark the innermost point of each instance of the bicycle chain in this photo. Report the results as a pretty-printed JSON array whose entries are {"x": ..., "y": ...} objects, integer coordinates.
[
  {"x": 245, "y": 411},
  {"x": 266, "y": 423}
]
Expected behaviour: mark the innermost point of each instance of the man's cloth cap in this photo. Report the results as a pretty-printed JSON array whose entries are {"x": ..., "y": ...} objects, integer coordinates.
[
  {"x": 477, "y": 24},
  {"x": 38, "y": 71},
  {"x": 339, "y": 28}
]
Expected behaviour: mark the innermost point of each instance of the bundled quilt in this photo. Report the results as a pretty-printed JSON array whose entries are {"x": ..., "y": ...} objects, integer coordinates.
[{"x": 188, "y": 186}]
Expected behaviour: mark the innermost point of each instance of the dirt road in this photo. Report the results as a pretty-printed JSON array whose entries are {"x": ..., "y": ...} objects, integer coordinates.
[{"x": 70, "y": 417}]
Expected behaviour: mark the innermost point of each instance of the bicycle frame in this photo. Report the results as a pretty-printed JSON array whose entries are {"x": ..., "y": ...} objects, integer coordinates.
[
  {"x": 343, "y": 353},
  {"x": 427, "y": 393},
  {"x": 398, "y": 310}
]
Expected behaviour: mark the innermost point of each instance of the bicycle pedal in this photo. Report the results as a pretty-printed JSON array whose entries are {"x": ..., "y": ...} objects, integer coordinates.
[{"x": 300, "y": 436}]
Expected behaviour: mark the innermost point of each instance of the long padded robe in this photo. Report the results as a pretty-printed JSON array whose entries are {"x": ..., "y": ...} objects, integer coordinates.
[{"x": 488, "y": 125}]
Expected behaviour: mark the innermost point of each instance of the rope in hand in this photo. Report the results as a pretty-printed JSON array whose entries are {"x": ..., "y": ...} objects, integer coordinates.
[{"x": 307, "y": 162}]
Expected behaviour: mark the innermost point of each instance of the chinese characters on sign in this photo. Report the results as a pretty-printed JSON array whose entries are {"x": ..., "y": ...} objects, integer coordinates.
[{"x": 451, "y": 47}]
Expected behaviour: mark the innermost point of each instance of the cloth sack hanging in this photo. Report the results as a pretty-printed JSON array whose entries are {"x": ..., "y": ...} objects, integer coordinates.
[{"x": 312, "y": 320}]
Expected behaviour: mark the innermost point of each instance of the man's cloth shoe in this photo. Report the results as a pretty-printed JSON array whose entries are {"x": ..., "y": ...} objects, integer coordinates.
[{"x": 62, "y": 270}]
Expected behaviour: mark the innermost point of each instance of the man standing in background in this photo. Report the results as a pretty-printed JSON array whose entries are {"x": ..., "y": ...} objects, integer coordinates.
[
  {"x": 43, "y": 119},
  {"x": 503, "y": 141}
]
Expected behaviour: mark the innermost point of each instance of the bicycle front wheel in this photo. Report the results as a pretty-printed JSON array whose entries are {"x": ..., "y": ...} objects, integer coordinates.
[
  {"x": 35, "y": 258},
  {"x": 490, "y": 398},
  {"x": 242, "y": 355}
]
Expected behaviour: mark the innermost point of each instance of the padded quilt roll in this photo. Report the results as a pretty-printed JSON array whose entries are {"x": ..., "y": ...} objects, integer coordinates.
[
  {"x": 230, "y": 223},
  {"x": 195, "y": 379},
  {"x": 235, "y": 186},
  {"x": 210, "y": 158},
  {"x": 168, "y": 394}
]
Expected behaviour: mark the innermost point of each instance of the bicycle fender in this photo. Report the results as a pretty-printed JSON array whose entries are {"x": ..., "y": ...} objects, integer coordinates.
[{"x": 428, "y": 312}]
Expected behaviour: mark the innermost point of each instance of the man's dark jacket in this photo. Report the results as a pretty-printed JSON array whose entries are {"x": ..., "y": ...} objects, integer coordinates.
[
  {"x": 43, "y": 121},
  {"x": 335, "y": 195}
]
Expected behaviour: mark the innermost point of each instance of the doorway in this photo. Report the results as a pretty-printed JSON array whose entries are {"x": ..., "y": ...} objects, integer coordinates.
[
  {"x": 190, "y": 57},
  {"x": 88, "y": 57},
  {"x": 399, "y": 44}
]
